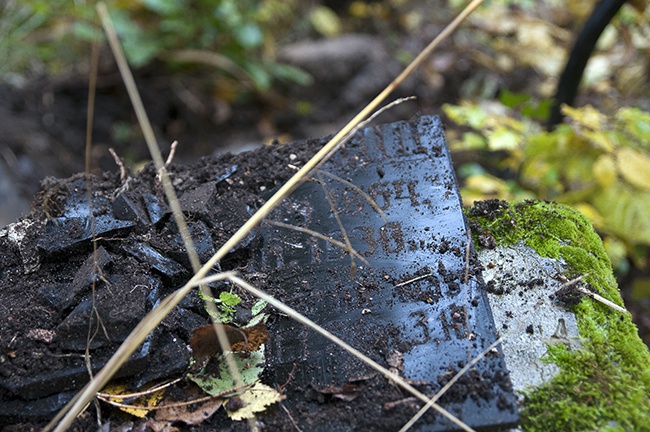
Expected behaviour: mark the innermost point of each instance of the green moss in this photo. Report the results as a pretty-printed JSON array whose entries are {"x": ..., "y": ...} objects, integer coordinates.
[{"x": 606, "y": 384}]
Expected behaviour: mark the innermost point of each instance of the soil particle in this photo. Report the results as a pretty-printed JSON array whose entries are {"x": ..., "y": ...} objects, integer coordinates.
[{"x": 568, "y": 296}]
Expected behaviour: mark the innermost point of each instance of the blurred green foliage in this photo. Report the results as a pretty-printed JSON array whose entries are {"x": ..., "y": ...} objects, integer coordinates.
[
  {"x": 237, "y": 36},
  {"x": 598, "y": 164}
]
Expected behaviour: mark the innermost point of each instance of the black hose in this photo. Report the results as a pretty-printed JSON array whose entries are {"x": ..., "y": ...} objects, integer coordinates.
[{"x": 567, "y": 87}]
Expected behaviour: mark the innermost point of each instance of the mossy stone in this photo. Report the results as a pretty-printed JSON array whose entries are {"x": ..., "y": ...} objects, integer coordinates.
[{"x": 606, "y": 384}]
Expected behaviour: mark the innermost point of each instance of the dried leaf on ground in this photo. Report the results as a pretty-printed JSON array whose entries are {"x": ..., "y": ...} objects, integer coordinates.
[
  {"x": 189, "y": 414},
  {"x": 119, "y": 393},
  {"x": 347, "y": 392},
  {"x": 253, "y": 400}
]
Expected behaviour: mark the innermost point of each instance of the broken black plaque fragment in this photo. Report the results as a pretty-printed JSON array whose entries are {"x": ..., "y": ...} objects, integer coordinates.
[{"x": 418, "y": 300}]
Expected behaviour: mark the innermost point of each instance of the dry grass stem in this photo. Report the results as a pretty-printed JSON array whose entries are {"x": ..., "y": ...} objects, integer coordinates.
[
  {"x": 335, "y": 242},
  {"x": 293, "y": 422},
  {"x": 105, "y": 397},
  {"x": 344, "y": 233},
  {"x": 142, "y": 393},
  {"x": 603, "y": 300},
  {"x": 147, "y": 132},
  {"x": 361, "y": 124},
  {"x": 156, "y": 155},
  {"x": 358, "y": 190}
]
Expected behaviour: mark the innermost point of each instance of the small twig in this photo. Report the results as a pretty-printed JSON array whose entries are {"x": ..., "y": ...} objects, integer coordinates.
[
  {"x": 172, "y": 152},
  {"x": 395, "y": 404},
  {"x": 601, "y": 299},
  {"x": 119, "y": 163},
  {"x": 170, "y": 158},
  {"x": 344, "y": 233},
  {"x": 415, "y": 279},
  {"x": 591, "y": 294},
  {"x": 290, "y": 417},
  {"x": 283, "y": 386},
  {"x": 361, "y": 125}
]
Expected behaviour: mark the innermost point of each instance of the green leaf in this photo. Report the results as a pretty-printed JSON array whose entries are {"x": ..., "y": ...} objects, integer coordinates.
[
  {"x": 625, "y": 212},
  {"x": 139, "y": 52},
  {"x": 259, "y": 74},
  {"x": 263, "y": 317},
  {"x": 290, "y": 73},
  {"x": 539, "y": 111},
  {"x": 473, "y": 141},
  {"x": 637, "y": 123},
  {"x": 511, "y": 99},
  {"x": 223, "y": 314},
  {"x": 249, "y": 35},
  {"x": 258, "y": 306},
  {"x": 165, "y": 7},
  {"x": 86, "y": 31},
  {"x": 249, "y": 365},
  {"x": 229, "y": 299}
]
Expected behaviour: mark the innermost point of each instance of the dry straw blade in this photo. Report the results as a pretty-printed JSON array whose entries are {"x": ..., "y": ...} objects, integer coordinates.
[{"x": 64, "y": 419}]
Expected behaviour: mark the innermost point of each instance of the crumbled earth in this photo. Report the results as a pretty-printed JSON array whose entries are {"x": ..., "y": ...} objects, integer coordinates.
[{"x": 47, "y": 263}]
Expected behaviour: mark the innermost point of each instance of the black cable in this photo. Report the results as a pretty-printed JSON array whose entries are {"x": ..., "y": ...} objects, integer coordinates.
[{"x": 567, "y": 87}]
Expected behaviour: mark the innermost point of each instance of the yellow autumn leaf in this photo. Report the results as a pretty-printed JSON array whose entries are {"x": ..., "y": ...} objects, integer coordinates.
[
  {"x": 503, "y": 138},
  {"x": 616, "y": 250},
  {"x": 467, "y": 114},
  {"x": 586, "y": 116},
  {"x": 486, "y": 185},
  {"x": 634, "y": 167},
  {"x": 604, "y": 170},
  {"x": 591, "y": 212},
  {"x": 599, "y": 139},
  {"x": 325, "y": 21},
  {"x": 118, "y": 393},
  {"x": 255, "y": 399}
]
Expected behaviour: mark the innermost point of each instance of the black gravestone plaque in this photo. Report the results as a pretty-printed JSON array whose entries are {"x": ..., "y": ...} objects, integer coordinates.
[{"x": 414, "y": 300}]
